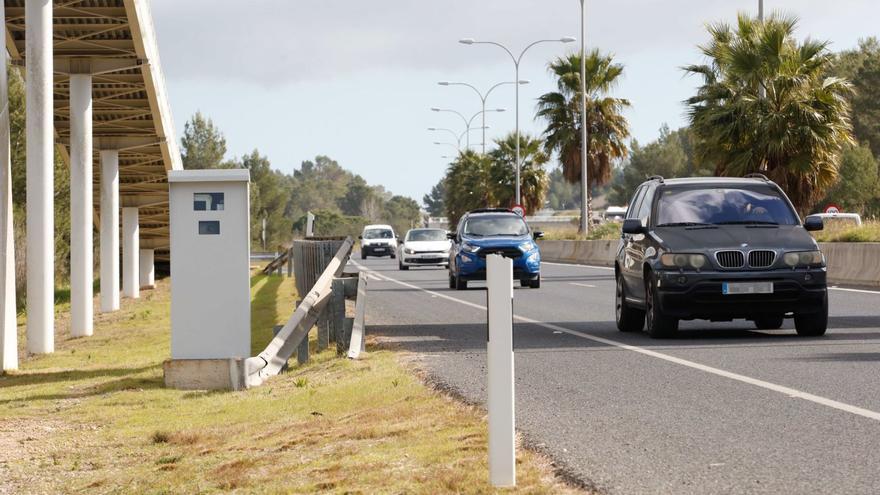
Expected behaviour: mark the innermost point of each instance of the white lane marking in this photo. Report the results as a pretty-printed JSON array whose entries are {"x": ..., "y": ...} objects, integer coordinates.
[
  {"x": 788, "y": 391},
  {"x": 577, "y": 265},
  {"x": 862, "y": 291},
  {"x": 583, "y": 285}
]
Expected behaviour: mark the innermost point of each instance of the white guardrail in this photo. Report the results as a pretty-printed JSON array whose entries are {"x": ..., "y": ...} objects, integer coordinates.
[{"x": 314, "y": 306}]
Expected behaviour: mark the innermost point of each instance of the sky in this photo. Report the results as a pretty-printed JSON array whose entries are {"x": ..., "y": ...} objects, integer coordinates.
[{"x": 356, "y": 80}]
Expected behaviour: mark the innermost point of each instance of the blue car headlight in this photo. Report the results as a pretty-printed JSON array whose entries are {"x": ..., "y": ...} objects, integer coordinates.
[
  {"x": 527, "y": 246},
  {"x": 469, "y": 248}
]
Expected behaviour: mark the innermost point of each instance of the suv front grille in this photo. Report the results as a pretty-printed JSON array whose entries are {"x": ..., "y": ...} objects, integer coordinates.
[
  {"x": 730, "y": 259},
  {"x": 761, "y": 258},
  {"x": 507, "y": 252}
]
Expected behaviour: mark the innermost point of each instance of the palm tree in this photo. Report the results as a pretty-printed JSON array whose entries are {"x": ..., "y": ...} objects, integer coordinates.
[
  {"x": 766, "y": 106},
  {"x": 607, "y": 128},
  {"x": 533, "y": 177},
  {"x": 468, "y": 184}
]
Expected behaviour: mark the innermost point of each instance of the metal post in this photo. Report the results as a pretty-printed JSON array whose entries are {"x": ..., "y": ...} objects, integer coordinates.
[
  {"x": 81, "y": 206},
  {"x": 518, "y": 199},
  {"x": 302, "y": 352},
  {"x": 130, "y": 253},
  {"x": 40, "y": 178},
  {"x": 336, "y": 312},
  {"x": 500, "y": 364},
  {"x": 8, "y": 327},
  {"x": 109, "y": 230},
  {"x": 585, "y": 182},
  {"x": 310, "y": 224},
  {"x": 290, "y": 262}
]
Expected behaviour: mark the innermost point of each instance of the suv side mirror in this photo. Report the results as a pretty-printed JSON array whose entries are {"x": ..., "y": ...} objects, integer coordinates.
[
  {"x": 537, "y": 235},
  {"x": 360, "y": 237},
  {"x": 813, "y": 223},
  {"x": 633, "y": 226},
  {"x": 450, "y": 236}
]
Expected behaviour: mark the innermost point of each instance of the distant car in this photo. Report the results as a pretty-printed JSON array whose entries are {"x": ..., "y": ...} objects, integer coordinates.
[
  {"x": 718, "y": 249},
  {"x": 840, "y": 219},
  {"x": 614, "y": 214},
  {"x": 493, "y": 231},
  {"x": 378, "y": 240},
  {"x": 424, "y": 247}
]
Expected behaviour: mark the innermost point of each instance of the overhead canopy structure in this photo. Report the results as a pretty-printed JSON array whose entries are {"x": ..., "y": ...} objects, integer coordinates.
[{"x": 115, "y": 42}]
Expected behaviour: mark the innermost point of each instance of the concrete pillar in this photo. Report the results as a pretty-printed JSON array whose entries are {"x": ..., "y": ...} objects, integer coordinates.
[
  {"x": 8, "y": 330},
  {"x": 81, "y": 204},
  {"x": 147, "y": 269},
  {"x": 109, "y": 230},
  {"x": 40, "y": 161},
  {"x": 131, "y": 252}
]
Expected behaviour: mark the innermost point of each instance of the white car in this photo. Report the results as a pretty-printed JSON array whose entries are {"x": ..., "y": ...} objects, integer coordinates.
[
  {"x": 424, "y": 247},
  {"x": 378, "y": 240}
]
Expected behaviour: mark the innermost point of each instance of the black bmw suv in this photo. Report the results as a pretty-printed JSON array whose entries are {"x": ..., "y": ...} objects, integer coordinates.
[{"x": 718, "y": 249}]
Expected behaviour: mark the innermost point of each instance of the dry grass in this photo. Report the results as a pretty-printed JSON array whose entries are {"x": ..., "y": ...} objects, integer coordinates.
[
  {"x": 95, "y": 418},
  {"x": 869, "y": 231}
]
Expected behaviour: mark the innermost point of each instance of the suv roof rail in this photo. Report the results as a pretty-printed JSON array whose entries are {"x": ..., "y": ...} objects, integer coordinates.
[
  {"x": 656, "y": 177},
  {"x": 757, "y": 176},
  {"x": 490, "y": 210}
]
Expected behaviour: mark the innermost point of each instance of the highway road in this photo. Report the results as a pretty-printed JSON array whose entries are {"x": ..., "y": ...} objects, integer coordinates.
[{"x": 722, "y": 408}]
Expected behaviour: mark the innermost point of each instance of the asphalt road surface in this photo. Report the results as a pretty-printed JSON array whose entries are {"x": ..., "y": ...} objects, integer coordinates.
[{"x": 722, "y": 408}]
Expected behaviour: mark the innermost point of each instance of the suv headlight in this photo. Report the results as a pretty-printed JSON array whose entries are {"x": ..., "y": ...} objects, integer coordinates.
[
  {"x": 684, "y": 261},
  {"x": 469, "y": 248},
  {"x": 407, "y": 250},
  {"x": 803, "y": 258},
  {"x": 527, "y": 246}
]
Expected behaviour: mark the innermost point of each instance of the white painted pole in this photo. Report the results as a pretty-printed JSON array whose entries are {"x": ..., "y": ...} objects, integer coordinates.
[
  {"x": 499, "y": 357},
  {"x": 310, "y": 224},
  {"x": 585, "y": 183},
  {"x": 8, "y": 330},
  {"x": 40, "y": 169},
  {"x": 147, "y": 269},
  {"x": 130, "y": 253},
  {"x": 81, "y": 204},
  {"x": 109, "y": 230}
]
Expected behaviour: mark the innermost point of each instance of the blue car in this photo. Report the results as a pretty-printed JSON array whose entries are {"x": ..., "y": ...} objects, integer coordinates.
[{"x": 493, "y": 231}]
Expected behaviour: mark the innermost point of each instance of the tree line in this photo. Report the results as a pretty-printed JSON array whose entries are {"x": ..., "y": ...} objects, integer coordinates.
[
  {"x": 768, "y": 103},
  {"x": 343, "y": 202}
]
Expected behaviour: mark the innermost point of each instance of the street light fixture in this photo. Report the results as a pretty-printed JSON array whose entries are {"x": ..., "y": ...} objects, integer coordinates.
[
  {"x": 467, "y": 121},
  {"x": 516, "y": 62},
  {"x": 483, "y": 98}
]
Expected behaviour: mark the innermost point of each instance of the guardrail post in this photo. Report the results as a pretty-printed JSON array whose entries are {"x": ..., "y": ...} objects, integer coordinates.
[
  {"x": 302, "y": 352},
  {"x": 347, "y": 326},
  {"x": 336, "y": 310},
  {"x": 324, "y": 330},
  {"x": 499, "y": 361},
  {"x": 290, "y": 262}
]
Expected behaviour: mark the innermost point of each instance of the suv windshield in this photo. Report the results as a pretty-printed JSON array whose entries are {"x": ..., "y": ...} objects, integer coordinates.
[
  {"x": 426, "y": 235},
  {"x": 501, "y": 225},
  {"x": 723, "y": 206},
  {"x": 378, "y": 234}
]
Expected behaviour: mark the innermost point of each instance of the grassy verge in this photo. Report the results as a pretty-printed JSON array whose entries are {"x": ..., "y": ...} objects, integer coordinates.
[
  {"x": 869, "y": 231},
  {"x": 94, "y": 417},
  {"x": 605, "y": 231}
]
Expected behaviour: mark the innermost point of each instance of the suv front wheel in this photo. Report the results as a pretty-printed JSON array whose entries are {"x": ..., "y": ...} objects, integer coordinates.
[
  {"x": 813, "y": 324},
  {"x": 628, "y": 318},
  {"x": 657, "y": 324}
]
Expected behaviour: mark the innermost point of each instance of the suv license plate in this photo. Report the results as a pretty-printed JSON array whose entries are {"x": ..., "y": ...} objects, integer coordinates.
[
  {"x": 746, "y": 288},
  {"x": 379, "y": 249}
]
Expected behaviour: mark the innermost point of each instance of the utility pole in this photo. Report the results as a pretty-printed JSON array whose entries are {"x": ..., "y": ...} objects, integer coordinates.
[{"x": 585, "y": 183}]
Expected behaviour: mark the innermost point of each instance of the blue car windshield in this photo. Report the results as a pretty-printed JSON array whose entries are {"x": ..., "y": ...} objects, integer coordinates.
[
  {"x": 723, "y": 206},
  {"x": 493, "y": 226}
]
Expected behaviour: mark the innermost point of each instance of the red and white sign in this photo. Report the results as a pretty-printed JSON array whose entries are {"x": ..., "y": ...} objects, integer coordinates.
[
  {"x": 519, "y": 210},
  {"x": 833, "y": 209}
]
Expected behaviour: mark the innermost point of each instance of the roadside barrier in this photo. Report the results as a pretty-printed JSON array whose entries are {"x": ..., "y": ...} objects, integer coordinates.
[
  {"x": 850, "y": 263},
  {"x": 324, "y": 304}
]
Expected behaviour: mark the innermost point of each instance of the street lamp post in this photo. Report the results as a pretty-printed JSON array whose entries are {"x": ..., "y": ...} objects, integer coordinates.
[
  {"x": 585, "y": 183},
  {"x": 516, "y": 62},
  {"x": 450, "y": 131},
  {"x": 483, "y": 98},
  {"x": 469, "y": 121}
]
